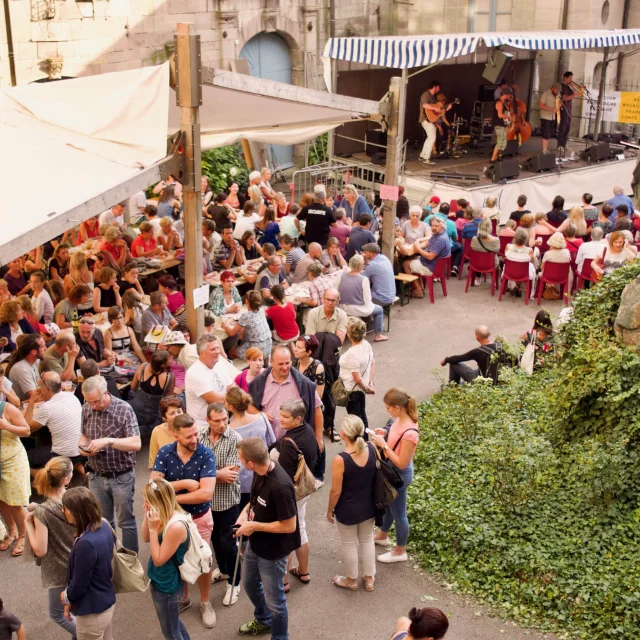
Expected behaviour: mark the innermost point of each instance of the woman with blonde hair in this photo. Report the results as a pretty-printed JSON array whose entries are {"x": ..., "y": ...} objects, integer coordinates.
[
  {"x": 168, "y": 238},
  {"x": 51, "y": 536},
  {"x": 576, "y": 215},
  {"x": 5, "y": 294},
  {"x": 164, "y": 529},
  {"x": 357, "y": 368},
  {"x": 248, "y": 425},
  {"x": 490, "y": 211},
  {"x": 398, "y": 445},
  {"x": 351, "y": 504},
  {"x": 255, "y": 197},
  {"x": 617, "y": 254}
]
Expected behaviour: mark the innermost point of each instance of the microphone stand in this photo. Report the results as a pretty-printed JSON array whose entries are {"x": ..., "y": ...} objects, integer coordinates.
[{"x": 590, "y": 100}]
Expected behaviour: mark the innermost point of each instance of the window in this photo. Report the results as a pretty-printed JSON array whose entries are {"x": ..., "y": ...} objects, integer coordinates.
[{"x": 489, "y": 15}]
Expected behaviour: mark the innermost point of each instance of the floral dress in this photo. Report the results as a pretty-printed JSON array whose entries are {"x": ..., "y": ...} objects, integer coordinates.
[{"x": 256, "y": 332}]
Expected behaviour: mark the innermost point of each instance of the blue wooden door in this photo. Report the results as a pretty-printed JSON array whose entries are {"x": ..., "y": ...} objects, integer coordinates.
[{"x": 268, "y": 58}]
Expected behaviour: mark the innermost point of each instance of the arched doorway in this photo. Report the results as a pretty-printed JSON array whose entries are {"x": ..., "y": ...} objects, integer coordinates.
[{"x": 268, "y": 58}]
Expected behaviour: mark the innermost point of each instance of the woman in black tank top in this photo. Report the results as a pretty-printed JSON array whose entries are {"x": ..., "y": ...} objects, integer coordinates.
[{"x": 351, "y": 504}]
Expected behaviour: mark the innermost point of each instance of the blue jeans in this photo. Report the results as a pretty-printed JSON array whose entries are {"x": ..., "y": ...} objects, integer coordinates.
[
  {"x": 116, "y": 494},
  {"x": 378, "y": 318},
  {"x": 263, "y": 581},
  {"x": 397, "y": 510},
  {"x": 167, "y": 605},
  {"x": 321, "y": 465},
  {"x": 56, "y": 611}
]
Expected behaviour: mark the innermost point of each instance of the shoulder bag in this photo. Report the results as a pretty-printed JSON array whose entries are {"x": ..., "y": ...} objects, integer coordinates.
[
  {"x": 384, "y": 493},
  {"x": 339, "y": 391},
  {"x": 303, "y": 481},
  {"x": 128, "y": 574}
]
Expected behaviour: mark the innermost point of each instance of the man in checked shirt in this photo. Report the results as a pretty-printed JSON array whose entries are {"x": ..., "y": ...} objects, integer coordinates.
[{"x": 110, "y": 438}]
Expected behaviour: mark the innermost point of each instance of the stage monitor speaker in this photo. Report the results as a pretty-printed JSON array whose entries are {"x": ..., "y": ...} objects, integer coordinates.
[
  {"x": 497, "y": 63},
  {"x": 541, "y": 162},
  {"x": 503, "y": 170},
  {"x": 511, "y": 149},
  {"x": 597, "y": 152}
]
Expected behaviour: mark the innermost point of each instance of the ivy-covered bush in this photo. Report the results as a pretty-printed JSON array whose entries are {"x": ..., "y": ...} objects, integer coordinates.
[
  {"x": 526, "y": 494},
  {"x": 220, "y": 165}
]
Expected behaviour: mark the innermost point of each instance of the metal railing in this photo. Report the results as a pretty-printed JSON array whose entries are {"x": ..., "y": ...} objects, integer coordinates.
[{"x": 333, "y": 175}]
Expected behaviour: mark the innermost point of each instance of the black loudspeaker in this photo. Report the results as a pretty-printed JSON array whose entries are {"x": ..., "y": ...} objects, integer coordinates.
[
  {"x": 497, "y": 63},
  {"x": 485, "y": 92},
  {"x": 511, "y": 149},
  {"x": 541, "y": 162},
  {"x": 378, "y": 137},
  {"x": 503, "y": 170},
  {"x": 596, "y": 153}
]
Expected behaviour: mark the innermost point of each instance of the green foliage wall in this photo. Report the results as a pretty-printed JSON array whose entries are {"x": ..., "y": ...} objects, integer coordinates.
[{"x": 527, "y": 493}]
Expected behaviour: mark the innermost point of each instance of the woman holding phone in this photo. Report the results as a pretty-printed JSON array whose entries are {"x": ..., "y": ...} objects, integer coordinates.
[{"x": 164, "y": 529}]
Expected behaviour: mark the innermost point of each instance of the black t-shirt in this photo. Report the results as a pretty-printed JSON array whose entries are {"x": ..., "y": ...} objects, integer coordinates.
[
  {"x": 9, "y": 624},
  {"x": 565, "y": 90},
  {"x": 319, "y": 217},
  {"x": 125, "y": 286},
  {"x": 273, "y": 499},
  {"x": 220, "y": 215},
  {"x": 516, "y": 215},
  {"x": 496, "y": 120},
  {"x": 556, "y": 217}
]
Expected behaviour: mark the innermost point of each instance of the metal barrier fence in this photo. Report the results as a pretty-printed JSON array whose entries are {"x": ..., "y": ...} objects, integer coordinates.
[{"x": 364, "y": 176}]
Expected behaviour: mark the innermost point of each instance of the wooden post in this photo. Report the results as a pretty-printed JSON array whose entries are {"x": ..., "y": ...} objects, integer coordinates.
[
  {"x": 395, "y": 138},
  {"x": 189, "y": 94}
]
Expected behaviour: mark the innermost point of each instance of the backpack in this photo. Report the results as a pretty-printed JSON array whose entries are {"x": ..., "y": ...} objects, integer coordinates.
[
  {"x": 498, "y": 359},
  {"x": 198, "y": 559}
]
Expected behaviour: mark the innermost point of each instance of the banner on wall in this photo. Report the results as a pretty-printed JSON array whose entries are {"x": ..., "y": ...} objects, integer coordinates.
[{"x": 618, "y": 106}]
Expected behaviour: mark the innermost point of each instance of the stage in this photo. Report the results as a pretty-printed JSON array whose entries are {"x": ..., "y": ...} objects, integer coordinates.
[{"x": 569, "y": 179}]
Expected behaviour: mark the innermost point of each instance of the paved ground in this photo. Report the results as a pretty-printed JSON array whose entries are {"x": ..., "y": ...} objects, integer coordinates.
[{"x": 422, "y": 334}]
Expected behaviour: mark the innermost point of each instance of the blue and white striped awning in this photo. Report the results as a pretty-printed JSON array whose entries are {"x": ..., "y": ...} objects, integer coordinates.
[{"x": 406, "y": 52}]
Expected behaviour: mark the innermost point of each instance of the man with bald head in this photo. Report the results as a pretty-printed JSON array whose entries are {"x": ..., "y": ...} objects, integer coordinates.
[
  {"x": 328, "y": 318},
  {"x": 61, "y": 356},
  {"x": 481, "y": 355},
  {"x": 313, "y": 255},
  {"x": 61, "y": 413}
]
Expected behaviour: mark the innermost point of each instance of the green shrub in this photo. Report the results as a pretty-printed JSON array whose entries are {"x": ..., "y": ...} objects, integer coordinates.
[
  {"x": 527, "y": 493},
  {"x": 217, "y": 165}
]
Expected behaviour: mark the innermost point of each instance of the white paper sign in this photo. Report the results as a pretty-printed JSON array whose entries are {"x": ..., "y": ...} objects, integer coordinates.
[{"x": 201, "y": 296}]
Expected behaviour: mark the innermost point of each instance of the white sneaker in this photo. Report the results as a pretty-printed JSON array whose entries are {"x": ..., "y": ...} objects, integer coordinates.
[
  {"x": 319, "y": 484},
  {"x": 382, "y": 543},
  {"x": 389, "y": 558},
  {"x": 231, "y": 596},
  {"x": 208, "y": 615},
  {"x": 478, "y": 282},
  {"x": 218, "y": 576}
]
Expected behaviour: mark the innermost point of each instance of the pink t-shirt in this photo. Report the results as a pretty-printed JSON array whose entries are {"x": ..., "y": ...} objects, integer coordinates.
[{"x": 397, "y": 432}]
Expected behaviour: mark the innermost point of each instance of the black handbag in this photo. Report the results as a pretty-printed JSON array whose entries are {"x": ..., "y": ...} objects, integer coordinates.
[{"x": 390, "y": 471}]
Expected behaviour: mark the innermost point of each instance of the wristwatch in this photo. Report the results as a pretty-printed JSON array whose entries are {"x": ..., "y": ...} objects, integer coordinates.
[{"x": 110, "y": 441}]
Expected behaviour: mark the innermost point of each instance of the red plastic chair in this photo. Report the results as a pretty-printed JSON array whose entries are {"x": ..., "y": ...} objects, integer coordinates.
[
  {"x": 516, "y": 272},
  {"x": 584, "y": 275},
  {"x": 466, "y": 255},
  {"x": 448, "y": 266},
  {"x": 544, "y": 246},
  {"x": 555, "y": 273},
  {"x": 589, "y": 224},
  {"x": 438, "y": 272},
  {"x": 482, "y": 262},
  {"x": 494, "y": 227},
  {"x": 504, "y": 241}
]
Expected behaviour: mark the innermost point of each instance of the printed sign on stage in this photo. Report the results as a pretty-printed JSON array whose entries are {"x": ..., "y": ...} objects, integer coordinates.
[{"x": 618, "y": 106}]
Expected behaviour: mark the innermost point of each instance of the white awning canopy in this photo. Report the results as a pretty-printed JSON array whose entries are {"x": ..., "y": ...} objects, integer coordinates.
[
  {"x": 406, "y": 52},
  {"x": 74, "y": 148}
]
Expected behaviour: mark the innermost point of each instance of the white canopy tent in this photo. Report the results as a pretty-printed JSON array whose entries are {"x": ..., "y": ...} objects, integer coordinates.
[{"x": 76, "y": 147}]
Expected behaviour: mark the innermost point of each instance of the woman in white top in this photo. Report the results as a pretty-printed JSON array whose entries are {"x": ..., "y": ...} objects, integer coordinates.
[
  {"x": 357, "y": 368},
  {"x": 410, "y": 231},
  {"x": 520, "y": 251},
  {"x": 168, "y": 238},
  {"x": 490, "y": 211},
  {"x": 246, "y": 221},
  {"x": 41, "y": 300}
]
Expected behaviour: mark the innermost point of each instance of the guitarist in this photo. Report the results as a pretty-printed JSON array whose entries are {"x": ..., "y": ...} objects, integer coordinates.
[
  {"x": 429, "y": 102},
  {"x": 501, "y": 119}
]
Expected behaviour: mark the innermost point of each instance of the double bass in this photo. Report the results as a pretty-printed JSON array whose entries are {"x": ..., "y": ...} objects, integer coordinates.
[{"x": 519, "y": 129}]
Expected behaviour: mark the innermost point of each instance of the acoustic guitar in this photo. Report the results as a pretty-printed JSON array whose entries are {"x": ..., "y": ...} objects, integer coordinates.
[{"x": 432, "y": 116}]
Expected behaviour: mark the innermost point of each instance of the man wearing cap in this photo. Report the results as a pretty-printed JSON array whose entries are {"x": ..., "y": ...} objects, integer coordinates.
[{"x": 548, "y": 113}]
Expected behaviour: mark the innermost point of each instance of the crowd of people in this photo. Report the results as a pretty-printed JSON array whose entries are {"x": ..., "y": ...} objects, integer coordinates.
[{"x": 238, "y": 417}]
